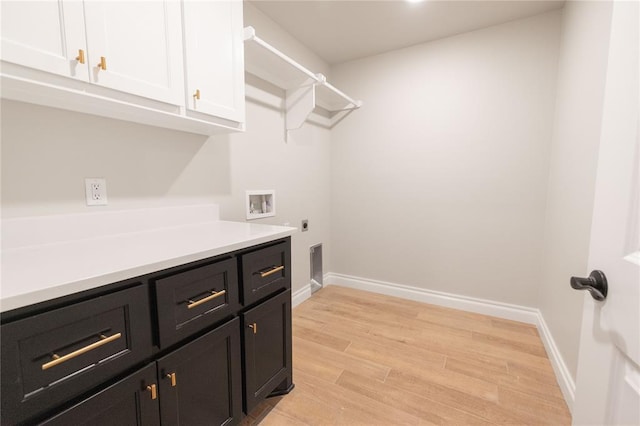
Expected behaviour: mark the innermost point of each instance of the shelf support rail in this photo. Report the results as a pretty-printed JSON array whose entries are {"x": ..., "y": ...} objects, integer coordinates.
[
  {"x": 250, "y": 34},
  {"x": 301, "y": 100},
  {"x": 318, "y": 79},
  {"x": 322, "y": 81}
]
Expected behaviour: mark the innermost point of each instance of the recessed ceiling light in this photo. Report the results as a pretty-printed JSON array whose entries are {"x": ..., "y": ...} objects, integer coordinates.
[{"x": 414, "y": 1}]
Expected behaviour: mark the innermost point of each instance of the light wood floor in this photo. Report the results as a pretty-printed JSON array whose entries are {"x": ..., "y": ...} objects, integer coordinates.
[{"x": 364, "y": 358}]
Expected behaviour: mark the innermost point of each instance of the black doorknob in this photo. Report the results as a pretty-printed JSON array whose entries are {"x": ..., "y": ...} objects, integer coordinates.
[{"x": 596, "y": 283}]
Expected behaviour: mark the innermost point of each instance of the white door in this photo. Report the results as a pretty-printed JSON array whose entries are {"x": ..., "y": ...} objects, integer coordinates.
[
  {"x": 136, "y": 47},
  {"x": 608, "y": 379},
  {"x": 214, "y": 51},
  {"x": 45, "y": 35}
]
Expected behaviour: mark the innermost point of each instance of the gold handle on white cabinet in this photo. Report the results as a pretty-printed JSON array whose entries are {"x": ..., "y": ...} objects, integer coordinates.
[
  {"x": 80, "y": 57},
  {"x": 57, "y": 359},
  {"x": 103, "y": 63},
  {"x": 214, "y": 294},
  {"x": 197, "y": 94}
]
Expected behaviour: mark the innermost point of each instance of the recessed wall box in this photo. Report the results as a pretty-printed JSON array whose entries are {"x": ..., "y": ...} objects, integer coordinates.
[{"x": 260, "y": 203}]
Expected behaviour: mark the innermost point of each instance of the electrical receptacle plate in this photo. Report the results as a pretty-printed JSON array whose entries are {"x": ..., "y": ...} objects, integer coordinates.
[{"x": 96, "y": 191}]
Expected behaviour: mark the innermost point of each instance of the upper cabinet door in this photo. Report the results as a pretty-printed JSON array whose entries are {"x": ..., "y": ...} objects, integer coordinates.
[
  {"x": 214, "y": 52},
  {"x": 45, "y": 35},
  {"x": 136, "y": 47}
]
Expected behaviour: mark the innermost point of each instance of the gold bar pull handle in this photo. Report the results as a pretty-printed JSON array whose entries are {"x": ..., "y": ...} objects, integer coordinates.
[
  {"x": 154, "y": 391},
  {"x": 214, "y": 295},
  {"x": 57, "y": 359},
  {"x": 80, "y": 57},
  {"x": 197, "y": 94},
  {"x": 254, "y": 327},
  {"x": 271, "y": 271},
  {"x": 103, "y": 63},
  {"x": 172, "y": 376}
]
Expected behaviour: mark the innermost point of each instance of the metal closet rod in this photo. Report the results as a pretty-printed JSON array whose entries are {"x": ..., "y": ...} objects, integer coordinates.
[{"x": 319, "y": 78}]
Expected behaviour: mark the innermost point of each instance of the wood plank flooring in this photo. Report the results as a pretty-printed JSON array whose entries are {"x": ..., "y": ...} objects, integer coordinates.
[{"x": 361, "y": 358}]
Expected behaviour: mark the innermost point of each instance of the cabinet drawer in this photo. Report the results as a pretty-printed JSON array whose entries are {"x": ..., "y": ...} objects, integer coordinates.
[
  {"x": 51, "y": 357},
  {"x": 127, "y": 402},
  {"x": 192, "y": 300},
  {"x": 265, "y": 271}
]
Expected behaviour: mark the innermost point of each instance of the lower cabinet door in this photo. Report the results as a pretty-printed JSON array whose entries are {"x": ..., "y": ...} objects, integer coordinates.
[
  {"x": 267, "y": 345},
  {"x": 131, "y": 401},
  {"x": 201, "y": 383}
]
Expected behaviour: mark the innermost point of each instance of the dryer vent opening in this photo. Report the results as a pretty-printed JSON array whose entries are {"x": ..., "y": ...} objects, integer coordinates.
[{"x": 316, "y": 267}]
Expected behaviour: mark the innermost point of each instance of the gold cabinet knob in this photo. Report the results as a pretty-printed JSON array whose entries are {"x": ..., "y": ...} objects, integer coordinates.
[
  {"x": 103, "y": 63},
  {"x": 197, "y": 94},
  {"x": 254, "y": 327},
  {"x": 153, "y": 390},
  {"x": 80, "y": 57},
  {"x": 172, "y": 376}
]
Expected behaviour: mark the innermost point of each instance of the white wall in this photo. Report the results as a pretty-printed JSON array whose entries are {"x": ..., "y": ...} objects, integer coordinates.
[
  {"x": 576, "y": 134},
  {"x": 439, "y": 181},
  {"x": 297, "y": 167},
  {"x": 47, "y": 153}
]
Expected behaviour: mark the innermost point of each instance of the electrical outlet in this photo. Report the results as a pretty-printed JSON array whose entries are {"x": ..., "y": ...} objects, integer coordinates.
[{"x": 96, "y": 191}]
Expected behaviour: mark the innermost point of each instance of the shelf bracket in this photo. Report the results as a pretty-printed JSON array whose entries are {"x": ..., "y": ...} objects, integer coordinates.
[
  {"x": 304, "y": 90},
  {"x": 300, "y": 102}
]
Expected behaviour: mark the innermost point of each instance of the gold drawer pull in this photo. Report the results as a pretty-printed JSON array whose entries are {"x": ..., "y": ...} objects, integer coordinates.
[
  {"x": 172, "y": 376},
  {"x": 57, "y": 359},
  {"x": 103, "y": 63},
  {"x": 80, "y": 57},
  {"x": 271, "y": 271},
  {"x": 254, "y": 327},
  {"x": 193, "y": 304},
  {"x": 153, "y": 390},
  {"x": 197, "y": 95}
]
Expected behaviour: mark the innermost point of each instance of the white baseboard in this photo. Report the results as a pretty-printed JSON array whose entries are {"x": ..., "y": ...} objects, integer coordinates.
[
  {"x": 470, "y": 304},
  {"x": 300, "y": 295},
  {"x": 563, "y": 376}
]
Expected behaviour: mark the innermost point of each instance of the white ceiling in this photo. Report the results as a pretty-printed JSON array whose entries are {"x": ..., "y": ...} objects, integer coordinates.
[{"x": 340, "y": 31}]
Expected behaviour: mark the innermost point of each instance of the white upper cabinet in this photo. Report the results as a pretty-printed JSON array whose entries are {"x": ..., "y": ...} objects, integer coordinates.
[
  {"x": 135, "y": 47},
  {"x": 134, "y": 60},
  {"x": 47, "y": 36},
  {"x": 214, "y": 55}
]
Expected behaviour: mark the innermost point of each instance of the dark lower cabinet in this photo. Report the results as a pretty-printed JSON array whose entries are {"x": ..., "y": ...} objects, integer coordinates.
[
  {"x": 267, "y": 349},
  {"x": 129, "y": 402},
  {"x": 198, "y": 384},
  {"x": 80, "y": 364},
  {"x": 54, "y": 357},
  {"x": 192, "y": 300},
  {"x": 201, "y": 383}
]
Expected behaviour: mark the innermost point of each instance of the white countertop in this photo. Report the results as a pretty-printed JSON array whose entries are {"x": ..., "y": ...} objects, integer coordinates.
[{"x": 35, "y": 273}]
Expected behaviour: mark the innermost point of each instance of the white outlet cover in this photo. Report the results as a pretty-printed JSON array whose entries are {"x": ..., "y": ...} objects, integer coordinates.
[{"x": 96, "y": 191}]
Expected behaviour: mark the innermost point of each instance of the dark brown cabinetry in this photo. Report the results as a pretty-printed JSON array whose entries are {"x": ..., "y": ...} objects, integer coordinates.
[
  {"x": 191, "y": 300},
  {"x": 50, "y": 358},
  {"x": 265, "y": 272},
  {"x": 267, "y": 349},
  {"x": 175, "y": 347},
  {"x": 131, "y": 401},
  {"x": 203, "y": 380}
]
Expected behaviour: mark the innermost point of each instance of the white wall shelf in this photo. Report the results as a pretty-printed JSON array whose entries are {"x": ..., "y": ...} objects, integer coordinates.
[{"x": 304, "y": 89}]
